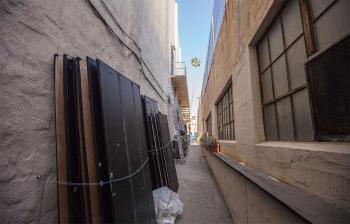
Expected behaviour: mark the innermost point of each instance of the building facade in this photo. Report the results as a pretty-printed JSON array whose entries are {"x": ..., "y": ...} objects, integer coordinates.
[
  {"x": 137, "y": 38},
  {"x": 275, "y": 96}
]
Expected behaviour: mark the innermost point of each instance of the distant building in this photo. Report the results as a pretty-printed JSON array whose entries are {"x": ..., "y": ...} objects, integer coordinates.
[
  {"x": 276, "y": 96},
  {"x": 193, "y": 126},
  {"x": 137, "y": 38}
]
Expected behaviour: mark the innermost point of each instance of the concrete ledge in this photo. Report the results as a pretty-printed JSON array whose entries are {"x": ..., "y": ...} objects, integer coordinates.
[
  {"x": 341, "y": 148},
  {"x": 227, "y": 146},
  {"x": 226, "y": 142},
  {"x": 321, "y": 169},
  {"x": 304, "y": 204}
]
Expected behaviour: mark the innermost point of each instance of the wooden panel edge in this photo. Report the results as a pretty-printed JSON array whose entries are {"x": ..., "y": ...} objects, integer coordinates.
[
  {"x": 89, "y": 144},
  {"x": 61, "y": 153}
]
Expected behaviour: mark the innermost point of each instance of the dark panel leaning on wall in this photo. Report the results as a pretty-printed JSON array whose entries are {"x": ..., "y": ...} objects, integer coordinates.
[
  {"x": 158, "y": 179},
  {"x": 102, "y": 171},
  {"x": 73, "y": 200},
  {"x": 99, "y": 140},
  {"x": 165, "y": 135},
  {"x": 163, "y": 171},
  {"x": 87, "y": 139},
  {"x": 124, "y": 146}
]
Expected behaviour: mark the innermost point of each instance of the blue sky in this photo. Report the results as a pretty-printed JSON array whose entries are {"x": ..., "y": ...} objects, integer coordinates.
[{"x": 194, "y": 25}]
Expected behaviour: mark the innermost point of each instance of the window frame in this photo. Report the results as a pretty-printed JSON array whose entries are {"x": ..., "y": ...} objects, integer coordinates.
[
  {"x": 225, "y": 114},
  {"x": 310, "y": 47}
]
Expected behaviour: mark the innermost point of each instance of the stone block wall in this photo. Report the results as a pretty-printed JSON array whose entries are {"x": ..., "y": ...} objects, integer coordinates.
[{"x": 321, "y": 169}]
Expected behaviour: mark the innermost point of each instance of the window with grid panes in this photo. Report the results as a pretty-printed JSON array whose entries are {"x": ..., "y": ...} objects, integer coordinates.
[
  {"x": 282, "y": 54},
  {"x": 285, "y": 100},
  {"x": 330, "y": 20},
  {"x": 225, "y": 116},
  {"x": 208, "y": 124}
]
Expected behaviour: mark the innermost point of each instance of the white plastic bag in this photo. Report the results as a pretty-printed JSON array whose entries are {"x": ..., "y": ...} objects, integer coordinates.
[{"x": 168, "y": 205}]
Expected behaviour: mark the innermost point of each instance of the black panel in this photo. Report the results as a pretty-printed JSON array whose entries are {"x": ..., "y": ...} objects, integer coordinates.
[
  {"x": 123, "y": 147},
  {"x": 116, "y": 145},
  {"x": 155, "y": 176},
  {"x": 328, "y": 76},
  {"x": 173, "y": 181},
  {"x": 159, "y": 143},
  {"x": 102, "y": 169},
  {"x": 77, "y": 208},
  {"x": 155, "y": 165},
  {"x": 119, "y": 143},
  {"x": 143, "y": 198},
  {"x": 163, "y": 172}
]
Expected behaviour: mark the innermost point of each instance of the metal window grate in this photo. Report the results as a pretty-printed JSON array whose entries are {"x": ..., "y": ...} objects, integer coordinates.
[{"x": 328, "y": 76}]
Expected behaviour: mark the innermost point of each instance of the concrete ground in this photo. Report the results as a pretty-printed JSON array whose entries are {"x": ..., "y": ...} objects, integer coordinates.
[{"x": 203, "y": 202}]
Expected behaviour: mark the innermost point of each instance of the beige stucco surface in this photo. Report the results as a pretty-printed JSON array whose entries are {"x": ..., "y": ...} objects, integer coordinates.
[{"x": 31, "y": 32}]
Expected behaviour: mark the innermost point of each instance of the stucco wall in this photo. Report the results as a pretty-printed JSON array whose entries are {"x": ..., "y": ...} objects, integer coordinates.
[
  {"x": 321, "y": 169},
  {"x": 31, "y": 32}
]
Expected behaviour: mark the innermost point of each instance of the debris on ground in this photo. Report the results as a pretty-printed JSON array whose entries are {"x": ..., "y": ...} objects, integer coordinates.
[{"x": 167, "y": 204}]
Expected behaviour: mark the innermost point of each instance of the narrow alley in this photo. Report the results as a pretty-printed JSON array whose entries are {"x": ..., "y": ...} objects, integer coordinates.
[
  {"x": 203, "y": 202},
  {"x": 174, "y": 111}
]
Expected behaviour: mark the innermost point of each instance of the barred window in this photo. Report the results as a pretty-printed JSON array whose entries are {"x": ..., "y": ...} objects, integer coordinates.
[
  {"x": 225, "y": 116},
  {"x": 301, "y": 29},
  {"x": 328, "y": 71},
  {"x": 285, "y": 100}
]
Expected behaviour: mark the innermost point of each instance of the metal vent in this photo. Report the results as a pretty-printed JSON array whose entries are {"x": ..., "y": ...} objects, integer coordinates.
[{"x": 328, "y": 76}]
